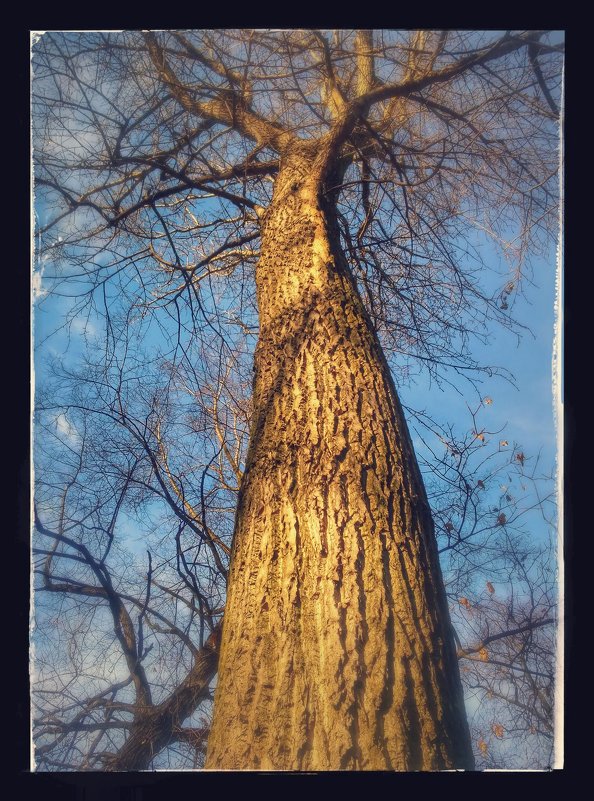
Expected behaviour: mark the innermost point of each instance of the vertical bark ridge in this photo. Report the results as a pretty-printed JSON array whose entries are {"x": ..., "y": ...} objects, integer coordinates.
[{"x": 336, "y": 650}]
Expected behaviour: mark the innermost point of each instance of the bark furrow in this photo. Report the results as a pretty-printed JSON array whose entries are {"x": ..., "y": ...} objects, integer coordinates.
[{"x": 336, "y": 650}]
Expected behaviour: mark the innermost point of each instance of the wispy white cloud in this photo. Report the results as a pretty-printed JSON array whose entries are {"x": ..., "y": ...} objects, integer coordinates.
[
  {"x": 38, "y": 291},
  {"x": 82, "y": 325},
  {"x": 66, "y": 430}
]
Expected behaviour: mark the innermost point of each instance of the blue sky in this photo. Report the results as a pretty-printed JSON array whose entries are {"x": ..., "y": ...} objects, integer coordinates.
[{"x": 526, "y": 409}]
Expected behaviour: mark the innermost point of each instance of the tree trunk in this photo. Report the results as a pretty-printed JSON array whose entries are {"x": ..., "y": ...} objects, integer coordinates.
[{"x": 336, "y": 650}]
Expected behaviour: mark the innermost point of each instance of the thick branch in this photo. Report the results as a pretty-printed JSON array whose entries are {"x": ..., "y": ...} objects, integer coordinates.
[
  {"x": 123, "y": 628},
  {"x": 229, "y": 108},
  {"x": 502, "y": 47},
  {"x": 359, "y": 108},
  {"x": 536, "y": 624},
  {"x": 365, "y": 62},
  {"x": 203, "y": 183},
  {"x": 533, "y": 55},
  {"x": 332, "y": 95},
  {"x": 162, "y": 725}
]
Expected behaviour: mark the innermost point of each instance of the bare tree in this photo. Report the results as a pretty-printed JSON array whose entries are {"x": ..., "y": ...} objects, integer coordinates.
[
  {"x": 319, "y": 192},
  {"x": 490, "y": 500},
  {"x": 157, "y": 620},
  {"x": 510, "y": 671}
]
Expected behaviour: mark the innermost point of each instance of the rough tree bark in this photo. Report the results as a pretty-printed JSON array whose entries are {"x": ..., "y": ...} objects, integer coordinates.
[{"x": 336, "y": 650}]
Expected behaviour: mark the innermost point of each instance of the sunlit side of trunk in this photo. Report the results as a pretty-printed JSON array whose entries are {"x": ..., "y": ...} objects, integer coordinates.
[{"x": 336, "y": 650}]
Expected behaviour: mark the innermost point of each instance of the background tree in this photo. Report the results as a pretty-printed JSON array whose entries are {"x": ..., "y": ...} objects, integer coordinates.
[
  {"x": 489, "y": 500},
  {"x": 154, "y": 152}
]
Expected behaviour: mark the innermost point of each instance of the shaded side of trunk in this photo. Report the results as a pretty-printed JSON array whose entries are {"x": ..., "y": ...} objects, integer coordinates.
[{"x": 336, "y": 649}]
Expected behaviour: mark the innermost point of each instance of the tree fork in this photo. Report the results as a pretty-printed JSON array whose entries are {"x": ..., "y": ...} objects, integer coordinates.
[{"x": 337, "y": 650}]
